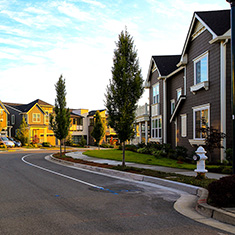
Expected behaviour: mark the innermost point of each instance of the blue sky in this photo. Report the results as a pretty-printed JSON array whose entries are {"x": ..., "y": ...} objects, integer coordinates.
[{"x": 42, "y": 39}]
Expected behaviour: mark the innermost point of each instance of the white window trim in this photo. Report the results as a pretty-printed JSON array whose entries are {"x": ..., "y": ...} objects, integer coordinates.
[
  {"x": 200, "y": 57},
  {"x": 154, "y": 137},
  {"x": 36, "y": 118},
  {"x": 198, "y": 108},
  {"x": 172, "y": 102},
  {"x": 184, "y": 116},
  {"x": 157, "y": 84},
  {"x": 177, "y": 90},
  {"x": 13, "y": 119}
]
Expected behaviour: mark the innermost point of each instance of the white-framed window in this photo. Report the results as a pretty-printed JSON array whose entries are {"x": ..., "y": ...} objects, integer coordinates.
[
  {"x": 178, "y": 93},
  {"x": 157, "y": 128},
  {"x": 47, "y": 117},
  {"x": 156, "y": 95},
  {"x": 13, "y": 119},
  {"x": 36, "y": 117},
  {"x": 201, "y": 119},
  {"x": 201, "y": 68},
  {"x": 172, "y": 105},
  {"x": 183, "y": 125}
]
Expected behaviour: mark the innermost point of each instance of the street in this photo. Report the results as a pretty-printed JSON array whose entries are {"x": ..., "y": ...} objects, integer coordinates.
[{"x": 40, "y": 197}]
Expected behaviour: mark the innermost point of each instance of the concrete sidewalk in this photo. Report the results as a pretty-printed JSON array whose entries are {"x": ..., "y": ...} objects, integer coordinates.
[{"x": 79, "y": 155}]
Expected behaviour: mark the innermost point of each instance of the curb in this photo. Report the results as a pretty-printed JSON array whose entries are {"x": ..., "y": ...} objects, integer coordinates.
[
  {"x": 163, "y": 182},
  {"x": 212, "y": 212},
  {"x": 200, "y": 194}
]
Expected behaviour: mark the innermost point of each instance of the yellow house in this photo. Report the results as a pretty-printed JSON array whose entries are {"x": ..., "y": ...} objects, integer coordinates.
[
  {"x": 37, "y": 116},
  {"x": 3, "y": 119}
]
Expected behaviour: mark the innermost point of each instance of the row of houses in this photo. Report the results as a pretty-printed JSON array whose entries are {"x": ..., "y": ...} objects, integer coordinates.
[
  {"x": 191, "y": 90},
  {"x": 37, "y": 116}
]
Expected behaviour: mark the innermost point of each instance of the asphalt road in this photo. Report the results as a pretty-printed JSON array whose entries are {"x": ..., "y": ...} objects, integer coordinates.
[{"x": 40, "y": 197}]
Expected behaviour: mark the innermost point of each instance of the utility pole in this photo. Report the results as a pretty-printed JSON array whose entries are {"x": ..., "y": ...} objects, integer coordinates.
[{"x": 232, "y": 3}]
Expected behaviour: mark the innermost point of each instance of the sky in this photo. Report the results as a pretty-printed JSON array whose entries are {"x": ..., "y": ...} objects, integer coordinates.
[{"x": 43, "y": 39}]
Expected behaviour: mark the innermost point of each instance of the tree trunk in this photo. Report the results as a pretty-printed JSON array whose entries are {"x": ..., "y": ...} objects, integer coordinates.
[
  {"x": 60, "y": 148},
  {"x": 64, "y": 146},
  {"x": 123, "y": 154}
]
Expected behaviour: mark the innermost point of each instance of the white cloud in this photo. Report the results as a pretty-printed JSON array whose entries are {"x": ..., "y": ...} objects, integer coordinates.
[
  {"x": 95, "y": 3},
  {"x": 73, "y": 11}
]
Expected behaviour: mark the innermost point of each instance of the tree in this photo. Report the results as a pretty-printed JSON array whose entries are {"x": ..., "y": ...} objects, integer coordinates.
[
  {"x": 22, "y": 133},
  {"x": 212, "y": 138},
  {"x": 60, "y": 121},
  {"x": 99, "y": 129},
  {"x": 124, "y": 90}
]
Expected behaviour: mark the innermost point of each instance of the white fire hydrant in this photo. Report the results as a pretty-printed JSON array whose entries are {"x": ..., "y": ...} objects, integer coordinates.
[{"x": 200, "y": 157}]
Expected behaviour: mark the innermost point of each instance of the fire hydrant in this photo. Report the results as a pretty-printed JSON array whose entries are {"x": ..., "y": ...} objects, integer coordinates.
[{"x": 200, "y": 157}]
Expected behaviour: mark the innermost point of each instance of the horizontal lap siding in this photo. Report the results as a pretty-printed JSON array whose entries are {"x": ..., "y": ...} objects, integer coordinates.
[
  {"x": 195, "y": 48},
  {"x": 173, "y": 83}
]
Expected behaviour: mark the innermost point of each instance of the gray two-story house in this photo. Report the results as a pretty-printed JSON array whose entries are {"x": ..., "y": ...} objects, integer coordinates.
[{"x": 193, "y": 90}]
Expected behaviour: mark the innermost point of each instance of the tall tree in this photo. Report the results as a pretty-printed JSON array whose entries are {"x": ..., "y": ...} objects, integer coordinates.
[
  {"x": 124, "y": 90},
  {"x": 99, "y": 129},
  {"x": 23, "y": 132},
  {"x": 60, "y": 121}
]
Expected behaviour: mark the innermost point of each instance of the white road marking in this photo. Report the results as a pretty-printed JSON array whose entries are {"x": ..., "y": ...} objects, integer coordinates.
[{"x": 56, "y": 173}]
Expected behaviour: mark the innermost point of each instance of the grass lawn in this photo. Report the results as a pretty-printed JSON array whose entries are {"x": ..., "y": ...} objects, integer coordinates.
[{"x": 115, "y": 154}]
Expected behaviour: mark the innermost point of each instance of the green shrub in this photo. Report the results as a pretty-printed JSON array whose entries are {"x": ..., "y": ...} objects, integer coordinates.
[
  {"x": 182, "y": 152},
  {"x": 3, "y": 146},
  {"x": 106, "y": 145},
  {"x": 46, "y": 144},
  {"x": 144, "y": 150},
  {"x": 229, "y": 154},
  {"x": 131, "y": 147},
  {"x": 158, "y": 153},
  {"x": 82, "y": 142},
  {"x": 222, "y": 192}
]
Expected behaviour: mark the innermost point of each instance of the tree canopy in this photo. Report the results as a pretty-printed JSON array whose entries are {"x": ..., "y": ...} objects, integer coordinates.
[
  {"x": 124, "y": 89},
  {"x": 99, "y": 128},
  {"x": 60, "y": 122}
]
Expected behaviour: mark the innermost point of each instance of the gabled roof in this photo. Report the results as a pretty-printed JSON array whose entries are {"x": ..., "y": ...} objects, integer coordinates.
[
  {"x": 216, "y": 22},
  {"x": 26, "y": 107},
  {"x": 92, "y": 113},
  {"x": 165, "y": 64},
  {"x": 74, "y": 114},
  {"x": 3, "y": 106}
]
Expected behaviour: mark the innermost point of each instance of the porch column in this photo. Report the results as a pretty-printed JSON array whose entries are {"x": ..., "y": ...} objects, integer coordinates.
[
  {"x": 223, "y": 97},
  {"x": 140, "y": 132},
  {"x": 146, "y": 132}
]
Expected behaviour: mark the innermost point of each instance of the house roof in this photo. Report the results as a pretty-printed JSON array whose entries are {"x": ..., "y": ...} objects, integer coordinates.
[
  {"x": 217, "y": 21},
  {"x": 3, "y": 106},
  {"x": 92, "y": 113},
  {"x": 73, "y": 114},
  {"x": 166, "y": 64},
  {"x": 26, "y": 107}
]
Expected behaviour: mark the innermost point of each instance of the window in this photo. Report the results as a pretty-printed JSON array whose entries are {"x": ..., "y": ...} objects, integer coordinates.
[
  {"x": 36, "y": 117},
  {"x": 47, "y": 116},
  {"x": 201, "y": 120},
  {"x": 157, "y": 128},
  {"x": 201, "y": 68},
  {"x": 178, "y": 93},
  {"x": 172, "y": 106},
  {"x": 74, "y": 121},
  {"x": 184, "y": 125},
  {"x": 156, "y": 97},
  {"x": 13, "y": 119},
  {"x": 80, "y": 121}
]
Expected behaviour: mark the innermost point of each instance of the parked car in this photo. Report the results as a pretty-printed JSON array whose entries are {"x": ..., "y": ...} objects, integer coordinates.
[
  {"x": 7, "y": 142},
  {"x": 15, "y": 141}
]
